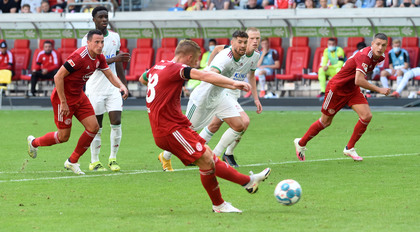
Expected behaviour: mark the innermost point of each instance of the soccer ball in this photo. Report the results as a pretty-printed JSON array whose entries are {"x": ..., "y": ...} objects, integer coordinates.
[{"x": 288, "y": 192}]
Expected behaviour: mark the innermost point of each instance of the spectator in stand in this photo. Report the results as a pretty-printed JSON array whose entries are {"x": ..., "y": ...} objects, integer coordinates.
[
  {"x": 269, "y": 60},
  {"x": 398, "y": 63},
  {"x": 252, "y": 5},
  {"x": 6, "y": 60},
  {"x": 299, "y": 4},
  {"x": 331, "y": 63},
  {"x": 368, "y": 3},
  {"x": 194, "y": 5},
  {"x": 26, "y": 8},
  {"x": 380, "y": 4},
  {"x": 18, "y": 4},
  {"x": 46, "y": 66},
  {"x": 220, "y": 5},
  {"x": 45, "y": 6},
  {"x": 8, "y": 6},
  {"x": 35, "y": 5},
  {"x": 410, "y": 74},
  {"x": 407, "y": 3},
  {"x": 323, "y": 4},
  {"x": 349, "y": 4},
  {"x": 284, "y": 4},
  {"x": 265, "y": 3},
  {"x": 417, "y": 3},
  {"x": 309, "y": 4}
]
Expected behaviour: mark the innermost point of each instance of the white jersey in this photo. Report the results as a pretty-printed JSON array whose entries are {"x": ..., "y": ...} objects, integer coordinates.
[
  {"x": 209, "y": 95},
  {"x": 98, "y": 83}
]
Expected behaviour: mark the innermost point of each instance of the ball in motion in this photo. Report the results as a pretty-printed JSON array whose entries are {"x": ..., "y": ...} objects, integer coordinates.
[{"x": 288, "y": 192}]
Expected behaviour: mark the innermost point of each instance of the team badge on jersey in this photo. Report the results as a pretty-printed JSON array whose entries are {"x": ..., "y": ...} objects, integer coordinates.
[
  {"x": 72, "y": 64},
  {"x": 67, "y": 121},
  {"x": 331, "y": 111},
  {"x": 365, "y": 66},
  {"x": 199, "y": 147}
]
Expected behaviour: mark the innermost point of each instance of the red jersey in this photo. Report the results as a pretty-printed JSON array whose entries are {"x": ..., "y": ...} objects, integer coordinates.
[
  {"x": 361, "y": 61},
  {"x": 6, "y": 60},
  {"x": 163, "y": 98},
  {"x": 81, "y": 66},
  {"x": 47, "y": 61}
]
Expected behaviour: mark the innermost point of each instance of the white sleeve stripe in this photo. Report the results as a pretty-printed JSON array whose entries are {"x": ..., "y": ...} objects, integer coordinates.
[
  {"x": 183, "y": 142},
  {"x": 358, "y": 69}
]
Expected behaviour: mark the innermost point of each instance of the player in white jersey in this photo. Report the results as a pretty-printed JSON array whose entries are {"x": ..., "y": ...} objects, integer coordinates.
[
  {"x": 207, "y": 100},
  {"x": 254, "y": 38},
  {"x": 103, "y": 96}
]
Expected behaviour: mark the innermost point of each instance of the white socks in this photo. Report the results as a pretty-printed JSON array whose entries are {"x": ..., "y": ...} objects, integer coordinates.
[
  {"x": 95, "y": 147},
  {"x": 167, "y": 155},
  {"x": 227, "y": 138},
  {"x": 232, "y": 146},
  {"x": 206, "y": 134},
  {"x": 384, "y": 81},
  {"x": 115, "y": 139}
]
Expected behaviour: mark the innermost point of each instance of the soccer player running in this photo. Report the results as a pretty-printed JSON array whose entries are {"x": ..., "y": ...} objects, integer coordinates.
[
  {"x": 207, "y": 100},
  {"x": 254, "y": 38},
  {"x": 344, "y": 89},
  {"x": 103, "y": 95},
  {"x": 68, "y": 99},
  {"x": 171, "y": 129}
]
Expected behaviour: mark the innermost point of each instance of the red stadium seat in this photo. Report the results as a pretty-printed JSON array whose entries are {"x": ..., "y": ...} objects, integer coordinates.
[
  {"x": 141, "y": 60},
  {"x": 169, "y": 42},
  {"x": 164, "y": 54},
  {"x": 352, "y": 45},
  {"x": 22, "y": 55},
  {"x": 144, "y": 43},
  {"x": 275, "y": 42},
  {"x": 297, "y": 59},
  {"x": 316, "y": 64},
  {"x": 222, "y": 41},
  {"x": 68, "y": 46}
]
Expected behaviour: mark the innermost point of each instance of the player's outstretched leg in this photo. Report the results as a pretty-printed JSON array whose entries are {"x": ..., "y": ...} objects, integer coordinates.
[
  {"x": 32, "y": 151},
  {"x": 256, "y": 179},
  {"x": 352, "y": 153},
  {"x": 166, "y": 164},
  {"x": 300, "y": 150}
]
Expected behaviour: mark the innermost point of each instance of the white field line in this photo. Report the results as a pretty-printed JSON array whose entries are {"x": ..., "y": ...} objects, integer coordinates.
[{"x": 135, "y": 172}]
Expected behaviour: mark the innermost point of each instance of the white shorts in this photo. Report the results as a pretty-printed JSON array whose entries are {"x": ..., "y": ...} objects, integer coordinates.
[
  {"x": 402, "y": 69},
  {"x": 232, "y": 94},
  {"x": 106, "y": 103},
  {"x": 201, "y": 116}
]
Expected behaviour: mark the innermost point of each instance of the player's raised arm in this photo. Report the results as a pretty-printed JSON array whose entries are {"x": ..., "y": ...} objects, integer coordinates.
[
  {"x": 116, "y": 82},
  {"x": 216, "y": 79}
]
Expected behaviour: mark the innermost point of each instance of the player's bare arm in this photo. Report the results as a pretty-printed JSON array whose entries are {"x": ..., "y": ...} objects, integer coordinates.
[
  {"x": 219, "y": 80},
  {"x": 59, "y": 85},
  {"x": 253, "y": 83},
  {"x": 120, "y": 57},
  {"x": 116, "y": 82},
  {"x": 215, "y": 51},
  {"x": 362, "y": 82}
]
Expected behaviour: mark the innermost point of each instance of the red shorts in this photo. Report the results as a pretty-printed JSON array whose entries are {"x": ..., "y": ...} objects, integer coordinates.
[
  {"x": 335, "y": 101},
  {"x": 185, "y": 143},
  {"x": 81, "y": 110}
]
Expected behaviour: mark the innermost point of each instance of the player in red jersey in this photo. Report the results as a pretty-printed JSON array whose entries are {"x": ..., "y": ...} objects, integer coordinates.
[
  {"x": 68, "y": 99},
  {"x": 344, "y": 89},
  {"x": 171, "y": 128}
]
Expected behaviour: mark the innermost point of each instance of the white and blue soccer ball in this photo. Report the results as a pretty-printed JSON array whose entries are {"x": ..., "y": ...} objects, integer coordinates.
[{"x": 288, "y": 192}]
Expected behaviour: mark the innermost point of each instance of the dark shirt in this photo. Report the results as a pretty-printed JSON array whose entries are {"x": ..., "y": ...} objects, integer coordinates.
[{"x": 5, "y": 7}]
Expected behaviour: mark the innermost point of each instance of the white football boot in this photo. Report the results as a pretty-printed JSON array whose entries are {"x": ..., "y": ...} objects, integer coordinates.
[
  {"x": 74, "y": 167},
  {"x": 32, "y": 151},
  {"x": 300, "y": 151},
  {"x": 256, "y": 179},
  {"x": 352, "y": 153},
  {"x": 225, "y": 207}
]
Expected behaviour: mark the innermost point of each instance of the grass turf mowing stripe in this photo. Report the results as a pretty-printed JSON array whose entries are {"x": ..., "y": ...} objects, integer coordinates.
[{"x": 135, "y": 172}]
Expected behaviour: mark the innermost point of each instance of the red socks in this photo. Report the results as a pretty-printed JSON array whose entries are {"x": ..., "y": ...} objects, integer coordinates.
[
  {"x": 209, "y": 181},
  {"x": 223, "y": 170},
  {"x": 313, "y": 130},
  {"x": 82, "y": 145},
  {"x": 359, "y": 129},
  {"x": 48, "y": 139}
]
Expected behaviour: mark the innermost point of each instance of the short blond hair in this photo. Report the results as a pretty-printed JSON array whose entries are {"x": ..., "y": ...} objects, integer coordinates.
[
  {"x": 252, "y": 29},
  {"x": 187, "y": 47}
]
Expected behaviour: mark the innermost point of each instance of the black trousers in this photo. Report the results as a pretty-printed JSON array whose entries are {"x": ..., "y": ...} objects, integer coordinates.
[{"x": 38, "y": 75}]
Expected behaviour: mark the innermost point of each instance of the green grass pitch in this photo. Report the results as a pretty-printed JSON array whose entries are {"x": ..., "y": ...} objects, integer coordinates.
[{"x": 382, "y": 193}]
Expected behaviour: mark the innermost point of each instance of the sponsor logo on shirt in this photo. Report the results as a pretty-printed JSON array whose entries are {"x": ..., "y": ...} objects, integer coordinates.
[
  {"x": 239, "y": 76},
  {"x": 72, "y": 64},
  {"x": 365, "y": 66}
]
